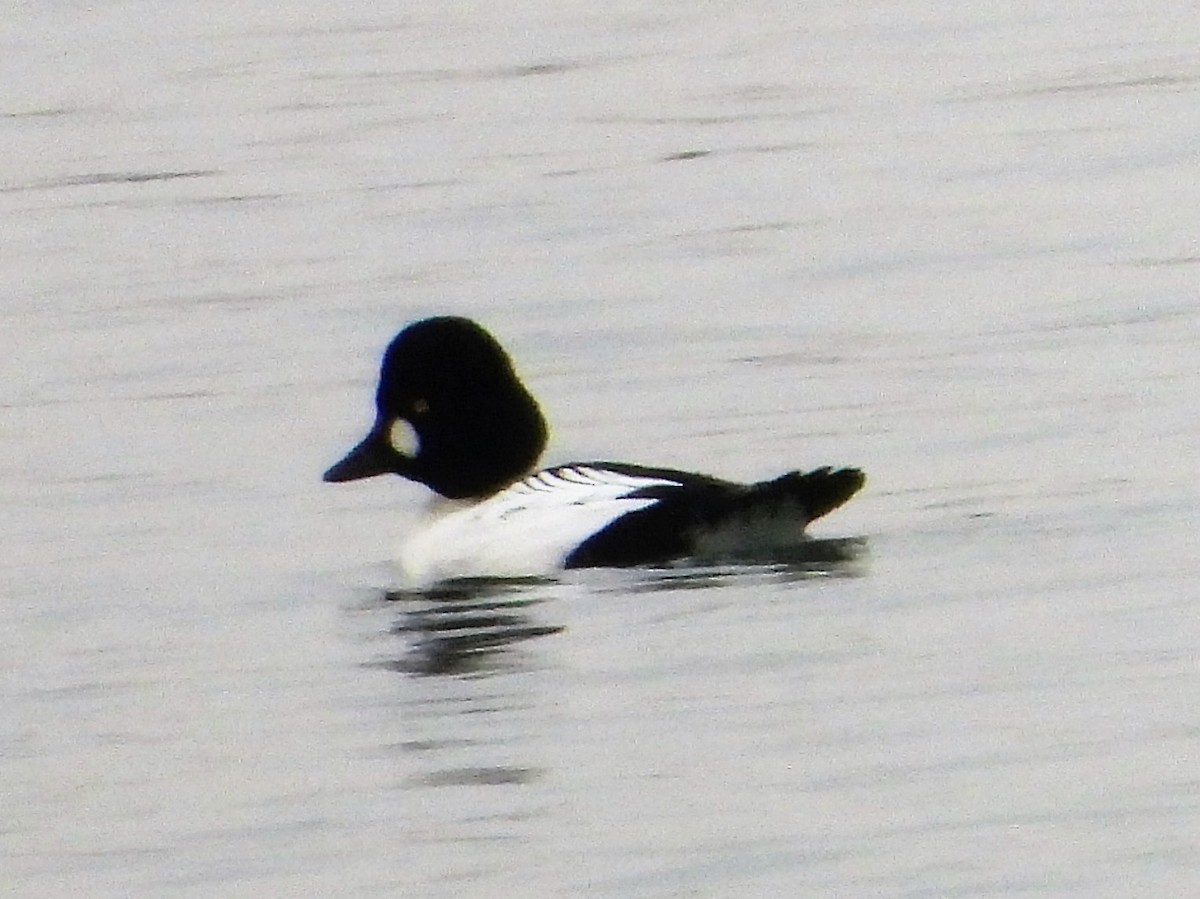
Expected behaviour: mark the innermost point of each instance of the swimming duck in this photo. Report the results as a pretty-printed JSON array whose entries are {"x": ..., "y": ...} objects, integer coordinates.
[{"x": 452, "y": 414}]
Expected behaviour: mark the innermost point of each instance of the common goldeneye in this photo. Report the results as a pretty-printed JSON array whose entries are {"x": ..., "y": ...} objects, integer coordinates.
[{"x": 453, "y": 415}]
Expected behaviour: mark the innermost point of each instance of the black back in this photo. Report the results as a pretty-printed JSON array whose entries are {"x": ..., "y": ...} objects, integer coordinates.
[{"x": 669, "y": 529}]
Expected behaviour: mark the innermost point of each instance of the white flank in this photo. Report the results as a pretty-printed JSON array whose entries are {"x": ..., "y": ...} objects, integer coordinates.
[{"x": 527, "y": 529}]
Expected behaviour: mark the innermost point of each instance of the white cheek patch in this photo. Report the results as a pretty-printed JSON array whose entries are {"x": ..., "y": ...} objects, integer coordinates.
[{"x": 404, "y": 439}]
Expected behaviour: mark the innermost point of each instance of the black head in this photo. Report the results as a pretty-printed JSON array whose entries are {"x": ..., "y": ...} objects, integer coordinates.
[{"x": 451, "y": 413}]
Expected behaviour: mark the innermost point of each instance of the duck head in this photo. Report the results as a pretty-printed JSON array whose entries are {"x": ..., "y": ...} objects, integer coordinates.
[{"x": 451, "y": 413}]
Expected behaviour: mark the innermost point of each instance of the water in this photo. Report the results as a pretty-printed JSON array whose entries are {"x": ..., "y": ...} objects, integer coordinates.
[{"x": 955, "y": 246}]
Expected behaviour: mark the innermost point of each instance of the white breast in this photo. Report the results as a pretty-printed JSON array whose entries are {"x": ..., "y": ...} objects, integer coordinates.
[{"x": 527, "y": 529}]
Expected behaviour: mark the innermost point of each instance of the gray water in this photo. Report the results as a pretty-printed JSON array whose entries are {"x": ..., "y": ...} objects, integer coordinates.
[{"x": 955, "y": 244}]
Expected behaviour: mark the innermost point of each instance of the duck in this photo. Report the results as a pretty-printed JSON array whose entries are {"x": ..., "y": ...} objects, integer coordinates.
[{"x": 451, "y": 413}]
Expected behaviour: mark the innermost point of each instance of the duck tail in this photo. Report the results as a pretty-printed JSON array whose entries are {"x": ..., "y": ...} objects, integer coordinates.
[{"x": 818, "y": 492}]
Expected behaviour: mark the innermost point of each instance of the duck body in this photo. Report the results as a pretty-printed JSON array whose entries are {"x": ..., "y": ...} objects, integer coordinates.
[{"x": 452, "y": 414}]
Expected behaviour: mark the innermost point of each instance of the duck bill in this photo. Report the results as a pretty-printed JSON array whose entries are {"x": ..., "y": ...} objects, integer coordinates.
[{"x": 371, "y": 457}]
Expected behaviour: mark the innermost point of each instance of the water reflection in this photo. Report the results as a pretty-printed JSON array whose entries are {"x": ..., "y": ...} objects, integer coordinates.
[
  {"x": 470, "y": 627},
  {"x": 467, "y": 627},
  {"x": 478, "y": 776},
  {"x": 838, "y": 557}
]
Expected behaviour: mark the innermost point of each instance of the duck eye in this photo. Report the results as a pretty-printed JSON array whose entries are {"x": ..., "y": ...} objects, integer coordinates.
[
  {"x": 420, "y": 406},
  {"x": 404, "y": 439}
]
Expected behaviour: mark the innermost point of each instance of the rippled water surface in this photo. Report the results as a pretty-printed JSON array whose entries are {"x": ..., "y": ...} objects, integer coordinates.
[{"x": 955, "y": 244}]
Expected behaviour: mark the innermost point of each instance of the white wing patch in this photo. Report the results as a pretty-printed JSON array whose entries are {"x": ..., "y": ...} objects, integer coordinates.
[{"x": 526, "y": 529}]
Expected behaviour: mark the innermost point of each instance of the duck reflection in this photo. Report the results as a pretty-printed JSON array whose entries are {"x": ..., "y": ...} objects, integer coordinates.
[
  {"x": 472, "y": 626},
  {"x": 840, "y": 557},
  {"x": 468, "y": 627}
]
